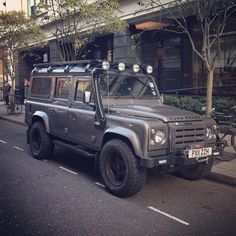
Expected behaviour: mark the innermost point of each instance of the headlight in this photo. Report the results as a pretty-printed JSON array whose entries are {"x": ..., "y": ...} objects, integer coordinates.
[
  {"x": 158, "y": 136},
  {"x": 209, "y": 133}
]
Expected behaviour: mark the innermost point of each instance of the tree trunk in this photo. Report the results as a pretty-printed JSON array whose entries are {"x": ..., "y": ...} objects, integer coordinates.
[{"x": 210, "y": 76}]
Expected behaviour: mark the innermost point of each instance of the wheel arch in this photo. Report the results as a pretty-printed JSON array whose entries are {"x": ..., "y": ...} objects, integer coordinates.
[
  {"x": 126, "y": 135},
  {"x": 43, "y": 117}
]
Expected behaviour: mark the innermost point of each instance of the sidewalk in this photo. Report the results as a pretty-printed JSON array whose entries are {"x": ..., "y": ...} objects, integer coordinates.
[
  {"x": 224, "y": 169},
  {"x": 12, "y": 118}
]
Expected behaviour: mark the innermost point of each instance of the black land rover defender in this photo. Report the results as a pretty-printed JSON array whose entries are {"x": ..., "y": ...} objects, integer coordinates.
[{"x": 114, "y": 111}]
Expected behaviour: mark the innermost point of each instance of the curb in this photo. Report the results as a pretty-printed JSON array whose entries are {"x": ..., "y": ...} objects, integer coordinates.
[
  {"x": 13, "y": 121},
  {"x": 221, "y": 178}
]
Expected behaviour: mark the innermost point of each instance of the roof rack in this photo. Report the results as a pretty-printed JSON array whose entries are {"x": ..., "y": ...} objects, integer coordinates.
[{"x": 65, "y": 63}]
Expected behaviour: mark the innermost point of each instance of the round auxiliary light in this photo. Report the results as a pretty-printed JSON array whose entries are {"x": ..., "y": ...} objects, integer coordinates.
[
  {"x": 149, "y": 69},
  {"x": 106, "y": 65},
  {"x": 121, "y": 66},
  {"x": 136, "y": 68}
]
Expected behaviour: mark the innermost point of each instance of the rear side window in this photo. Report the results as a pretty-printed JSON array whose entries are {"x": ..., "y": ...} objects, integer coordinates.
[
  {"x": 62, "y": 88},
  {"x": 41, "y": 87}
]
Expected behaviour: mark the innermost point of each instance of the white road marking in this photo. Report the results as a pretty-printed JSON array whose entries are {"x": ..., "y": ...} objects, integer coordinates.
[
  {"x": 168, "y": 215},
  {"x": 70, "y": 171},
  {"x": 1, "y": 141},
  {"x": 99, "y": 184},
  {"x": 20, "y": 149}
]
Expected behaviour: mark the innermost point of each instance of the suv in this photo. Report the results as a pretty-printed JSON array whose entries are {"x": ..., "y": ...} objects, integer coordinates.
[{"x": 114, "y": 112}]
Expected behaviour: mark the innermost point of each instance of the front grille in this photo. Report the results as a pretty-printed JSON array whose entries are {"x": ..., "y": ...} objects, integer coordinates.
[{"x": 185, "y": 135}]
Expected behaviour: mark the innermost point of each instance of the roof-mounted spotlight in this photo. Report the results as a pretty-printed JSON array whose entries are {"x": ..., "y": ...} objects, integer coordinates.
[
  {"x": 149, "y": 69},
  {"x": 136, "y": 68},
  {"x": 121, "y": 66},
  {"x": 106, "y": 65}
]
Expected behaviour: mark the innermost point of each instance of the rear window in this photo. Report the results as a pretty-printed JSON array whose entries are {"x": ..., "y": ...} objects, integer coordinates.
[{"x": 41, "y": 87}]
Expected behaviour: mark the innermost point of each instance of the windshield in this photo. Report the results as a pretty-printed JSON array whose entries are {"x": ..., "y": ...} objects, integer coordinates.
[{"x": 127, "y": 86}]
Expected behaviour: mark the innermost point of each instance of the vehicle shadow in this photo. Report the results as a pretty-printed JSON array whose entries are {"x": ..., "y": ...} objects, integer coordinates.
[{"x": 71, "y": 160}]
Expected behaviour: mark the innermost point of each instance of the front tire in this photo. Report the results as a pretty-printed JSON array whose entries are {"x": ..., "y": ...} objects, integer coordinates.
[
  {"x": 196, "y": 172},
  {"x": 120, "y": 169},
  {"x": 40, "y": 142}
]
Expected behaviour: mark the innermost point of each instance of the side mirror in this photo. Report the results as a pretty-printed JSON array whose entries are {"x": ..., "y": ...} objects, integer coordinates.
[{"x": 87, "y": 97}]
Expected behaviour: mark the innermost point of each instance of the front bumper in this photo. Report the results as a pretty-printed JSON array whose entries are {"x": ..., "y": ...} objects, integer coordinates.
[{"x": 176, "y": 159}]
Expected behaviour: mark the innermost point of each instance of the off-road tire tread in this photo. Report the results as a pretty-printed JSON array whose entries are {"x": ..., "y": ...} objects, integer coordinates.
[
  {"x": 138, "y": 174},
  {"x": 47, "y": 145}
]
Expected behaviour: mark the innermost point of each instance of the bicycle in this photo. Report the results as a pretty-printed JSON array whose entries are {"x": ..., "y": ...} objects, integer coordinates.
[
  {"x": 224, "y": 127},
  {"x": 14, "y": 106}
]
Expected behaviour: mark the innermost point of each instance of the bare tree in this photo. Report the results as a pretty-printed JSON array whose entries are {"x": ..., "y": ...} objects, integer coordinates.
[
  {"x": 212, "y": 16},
  {"x": 77, "y": 22}
]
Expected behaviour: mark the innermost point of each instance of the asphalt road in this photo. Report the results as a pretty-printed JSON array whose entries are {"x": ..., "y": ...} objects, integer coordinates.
[{"x": 62, "y": 196}]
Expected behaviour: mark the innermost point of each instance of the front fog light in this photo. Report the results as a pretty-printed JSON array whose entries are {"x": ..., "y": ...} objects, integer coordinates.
[{"x": 160, "y": 137}]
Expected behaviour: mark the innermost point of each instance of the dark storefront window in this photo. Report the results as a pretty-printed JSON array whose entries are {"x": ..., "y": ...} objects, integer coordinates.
[
  {"x": 225, "y": 73},
  {"x": 165, "y": 52},
  {"x": 100, "y": 48},
  {"x": 171, "y": 64}
]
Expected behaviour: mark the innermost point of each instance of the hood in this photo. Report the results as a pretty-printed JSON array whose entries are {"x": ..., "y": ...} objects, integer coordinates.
[{"x": 162, "y": 112}]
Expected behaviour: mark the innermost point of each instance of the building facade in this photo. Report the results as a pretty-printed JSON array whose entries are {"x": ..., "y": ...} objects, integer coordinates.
[
  {"x": 10, "y": 5},
  {"x": 176, "y": 66}
]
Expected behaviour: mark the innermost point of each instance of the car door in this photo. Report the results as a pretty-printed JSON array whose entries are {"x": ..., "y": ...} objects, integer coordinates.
[
  {"x": 81, "y": 115},
  {"x": 59, "y": 111}
]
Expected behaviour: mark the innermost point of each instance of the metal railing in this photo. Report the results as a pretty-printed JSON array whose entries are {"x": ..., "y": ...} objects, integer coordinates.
[{"x": 222, "y": 90}]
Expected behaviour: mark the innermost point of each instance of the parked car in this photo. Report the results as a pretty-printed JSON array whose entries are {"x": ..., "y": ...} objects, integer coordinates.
[{"x": 114, "y": 113}]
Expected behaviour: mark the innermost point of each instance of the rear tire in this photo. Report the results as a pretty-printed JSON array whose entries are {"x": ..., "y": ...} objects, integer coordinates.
[
  {"x": 233, "y": 141},
  {"x": 40, "y": 142},
  {"x": 196, "y": 172},
  {"x": 120, "y": 169}
]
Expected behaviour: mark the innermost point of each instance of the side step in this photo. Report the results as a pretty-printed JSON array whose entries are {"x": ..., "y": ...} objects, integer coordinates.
[{"x": 76, "y": 148}]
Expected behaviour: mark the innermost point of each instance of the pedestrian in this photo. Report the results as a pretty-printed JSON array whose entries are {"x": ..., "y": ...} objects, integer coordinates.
[{"x": 6, "y": 92}]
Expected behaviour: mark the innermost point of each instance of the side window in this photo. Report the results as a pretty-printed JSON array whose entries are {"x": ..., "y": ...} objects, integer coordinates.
[
  {"x": 41, "y": 87},
  {"x": 62, "y": 88},
  {"x": 82, "y": 86}
]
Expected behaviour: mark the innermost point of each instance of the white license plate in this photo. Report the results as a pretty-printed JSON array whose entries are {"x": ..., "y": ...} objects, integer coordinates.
[{"x": 200, "y": 152}]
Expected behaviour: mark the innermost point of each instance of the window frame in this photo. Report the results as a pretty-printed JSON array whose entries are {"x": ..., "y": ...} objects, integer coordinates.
[
  {"x": 47, "y": 96},
  {"x": 77, "y": 81},
  {"x": 57, "y": 78}
]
